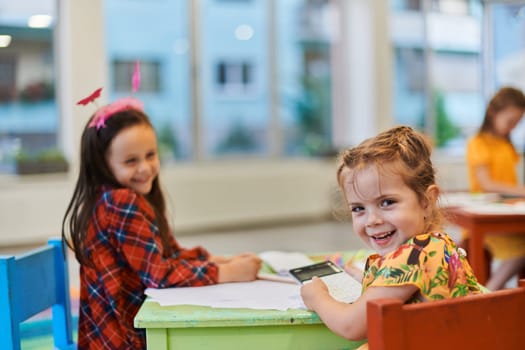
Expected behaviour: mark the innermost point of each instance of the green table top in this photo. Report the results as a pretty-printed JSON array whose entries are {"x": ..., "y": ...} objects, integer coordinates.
[
  {"x": 152, "y": 315},
  {"x": 202, "y": 327}
]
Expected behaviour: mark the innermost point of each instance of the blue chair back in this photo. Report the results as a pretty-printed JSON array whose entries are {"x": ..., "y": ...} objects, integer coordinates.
[{"x": 33, "y": 282}]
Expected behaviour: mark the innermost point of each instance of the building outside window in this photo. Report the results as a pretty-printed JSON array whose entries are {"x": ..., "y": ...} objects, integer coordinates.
[
  {"x": 450, "y": 57},
  {"x": 28, "y": 109},
  {"x": 505, "y": 52},
  {"x": 244, "y": 79},
  {"x": 150, "y": 74},
  {"x": 222, "y": 64},
  {"x": 438, "y": 64}
]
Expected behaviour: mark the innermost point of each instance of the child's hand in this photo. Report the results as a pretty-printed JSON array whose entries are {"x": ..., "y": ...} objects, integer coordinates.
[
  {"x": 354, "y": 271},
  {"x": 218, "y": 259},
  {"x": 311, "y": 292},
  {"x": 240, "y": 268}
]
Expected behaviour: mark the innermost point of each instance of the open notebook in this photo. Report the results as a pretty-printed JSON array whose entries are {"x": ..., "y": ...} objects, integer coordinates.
[
  {"x": 295, "y": 267},
  {"x": 281, "y": 263}
]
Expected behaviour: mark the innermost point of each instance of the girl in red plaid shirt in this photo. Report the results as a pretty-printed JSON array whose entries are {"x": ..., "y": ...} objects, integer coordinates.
[{"x": 117, "y": 226}]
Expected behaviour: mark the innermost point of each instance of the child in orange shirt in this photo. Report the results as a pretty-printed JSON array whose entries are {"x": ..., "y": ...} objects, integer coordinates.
[{"x": 492, "y": 161}]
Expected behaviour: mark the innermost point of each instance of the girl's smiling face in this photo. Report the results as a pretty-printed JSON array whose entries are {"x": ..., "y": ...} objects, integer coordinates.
[
  {"x": 133, "y": 158},
  {"x": 385, "y": 211}
]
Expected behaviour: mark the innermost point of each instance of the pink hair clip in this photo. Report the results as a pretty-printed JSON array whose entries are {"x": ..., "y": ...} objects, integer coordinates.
[{"x": 123, "y": 104}]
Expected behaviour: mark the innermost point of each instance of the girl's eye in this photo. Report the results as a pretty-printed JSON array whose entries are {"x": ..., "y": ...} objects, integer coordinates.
[
  {"x": 356, "y": 209},
  {"x": 387, "y": 202},
  {"x": 151, "y": 155},
  {"x": 130, "y": 161}
]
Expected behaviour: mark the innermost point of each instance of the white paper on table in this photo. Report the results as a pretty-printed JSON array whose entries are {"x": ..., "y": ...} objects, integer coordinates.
[
  {"x": 282, "y": 262},
  {"x": 252, "y": 295},
  {"x": 497, "y": 208}
]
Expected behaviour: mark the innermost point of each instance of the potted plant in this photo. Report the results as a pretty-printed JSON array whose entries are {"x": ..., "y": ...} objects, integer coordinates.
[{"x": 48, "y": 161}]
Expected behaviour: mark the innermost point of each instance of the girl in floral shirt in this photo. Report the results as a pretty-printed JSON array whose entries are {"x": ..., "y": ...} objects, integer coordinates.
[
  {"x": 116, "y": 224},
  {"x": 389, "y": 186}
]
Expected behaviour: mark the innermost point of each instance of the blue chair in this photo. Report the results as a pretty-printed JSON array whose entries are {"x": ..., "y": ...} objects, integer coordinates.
[{"x": 33, "y": 282}]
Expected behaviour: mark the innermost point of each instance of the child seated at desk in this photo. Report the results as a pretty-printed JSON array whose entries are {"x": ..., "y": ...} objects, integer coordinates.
[
  {"x": 116, "y": 223},
  {"x": 388, "y": 183},
  {"x": 492, "y": 161}
]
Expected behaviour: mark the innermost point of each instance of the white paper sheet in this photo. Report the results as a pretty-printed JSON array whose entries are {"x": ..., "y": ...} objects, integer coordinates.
[
  {"x": 253, "y": 295},
  {"x": 282, "y": 262},
  {"x": 497, "y": 209}
]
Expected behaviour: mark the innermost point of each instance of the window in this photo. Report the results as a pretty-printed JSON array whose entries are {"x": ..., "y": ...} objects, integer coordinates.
[
  {"x": 164, "y": 52},
  {"x": 234, "y": 77},
  {"x": 304, "y": 40},
  {"x": 506, "y": 61},
  {"x": 438, "y": 63},
  {"x": 149, "y": 76},
  {"x": 28, "y": 109},
  {"x": 7, "y": 78}
]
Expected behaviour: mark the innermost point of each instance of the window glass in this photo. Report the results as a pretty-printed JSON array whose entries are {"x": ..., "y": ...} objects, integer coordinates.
[
  {"x": 306, "y": 29},
  {"x": 404, "y": 5},
  {"x": 235, "y": 77},
  {"x": 228, "y": 78},
  {"x": 234, "y": 82},
  {"x": 28, "y": 109},
  {"x": 163, "y": 51},
  {"x": 149, "y": 76},
  {"x": 434, "y": 44},
  {"x": 507, "y": 57}
]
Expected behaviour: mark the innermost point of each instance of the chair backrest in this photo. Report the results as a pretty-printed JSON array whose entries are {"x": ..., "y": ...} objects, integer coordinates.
[
  {"x": 494, "y": 320},
  {"x": 33, "y": 282}
]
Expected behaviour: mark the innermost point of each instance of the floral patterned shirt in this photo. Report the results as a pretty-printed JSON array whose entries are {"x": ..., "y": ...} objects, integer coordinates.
[{"x": 432, "y": 262}]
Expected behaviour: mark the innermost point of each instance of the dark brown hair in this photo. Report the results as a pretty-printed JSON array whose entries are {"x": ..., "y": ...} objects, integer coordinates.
[{"x": 94, "y": 173}]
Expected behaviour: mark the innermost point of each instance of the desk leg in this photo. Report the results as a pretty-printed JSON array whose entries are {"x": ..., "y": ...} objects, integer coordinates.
[
  {"x": 476, "y": 255},
  {"x": 156, "y": 339}
]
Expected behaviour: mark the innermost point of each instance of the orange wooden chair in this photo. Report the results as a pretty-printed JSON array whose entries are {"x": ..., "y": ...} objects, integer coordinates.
[{"x": 494, "y": 320}]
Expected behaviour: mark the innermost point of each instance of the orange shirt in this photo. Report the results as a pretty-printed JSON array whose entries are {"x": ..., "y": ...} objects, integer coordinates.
[{"x": 497, "y": 154}]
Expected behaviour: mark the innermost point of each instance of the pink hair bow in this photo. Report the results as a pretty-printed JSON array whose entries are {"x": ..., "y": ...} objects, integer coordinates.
[
  {"x": 103, "y": 113},
  {"x": 124, "y": 104}
]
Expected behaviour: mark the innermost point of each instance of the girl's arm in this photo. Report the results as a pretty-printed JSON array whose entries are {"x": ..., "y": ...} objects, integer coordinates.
[
  {"x": 142, "y": 249},
  {"x": 348, "y": 320},
  {"x": 489, "y": 185},
  {"x": 128, "y": 218},
  {"x": 354, "y": 271},
  {"x": 220, "y": 259},
  {"x": 243, "y": 267}
]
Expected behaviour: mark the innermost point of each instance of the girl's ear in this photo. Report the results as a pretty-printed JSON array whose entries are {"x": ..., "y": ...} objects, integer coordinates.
[{"x": 432, "y": 194}]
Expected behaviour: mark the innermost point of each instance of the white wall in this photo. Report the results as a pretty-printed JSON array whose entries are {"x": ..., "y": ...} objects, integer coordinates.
[{"x": 206, "y": 196}]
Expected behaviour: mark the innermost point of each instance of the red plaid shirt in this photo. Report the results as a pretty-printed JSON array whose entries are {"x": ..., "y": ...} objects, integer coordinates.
[{"x": 124, "y": 245}]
